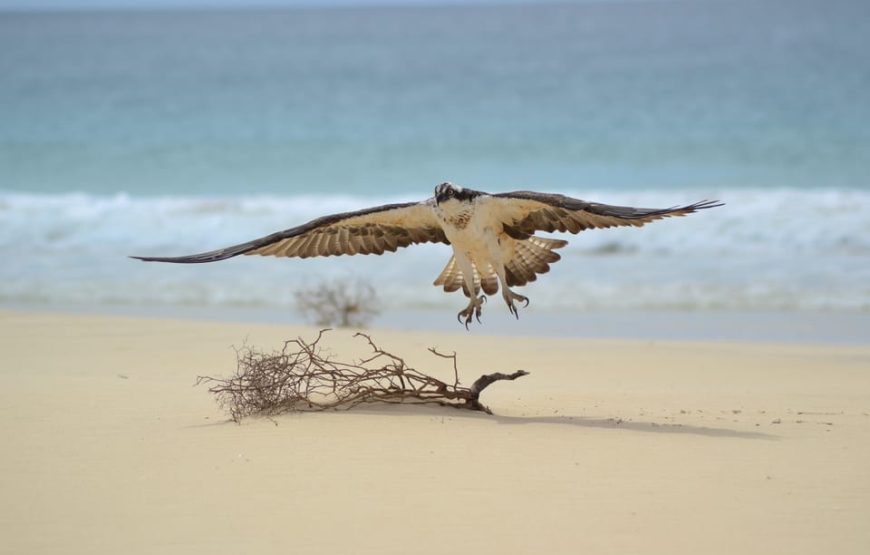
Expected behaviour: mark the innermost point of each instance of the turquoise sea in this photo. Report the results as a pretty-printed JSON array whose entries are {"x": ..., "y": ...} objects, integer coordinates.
[{"x": 147, "y": 132}]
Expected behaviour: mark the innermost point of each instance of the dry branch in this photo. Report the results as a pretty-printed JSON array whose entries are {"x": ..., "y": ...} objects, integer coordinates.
[{"x": 303, "y": 377}]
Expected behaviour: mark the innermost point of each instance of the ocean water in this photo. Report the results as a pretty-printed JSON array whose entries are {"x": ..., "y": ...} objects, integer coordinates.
[{"x": 162, "y": 133}]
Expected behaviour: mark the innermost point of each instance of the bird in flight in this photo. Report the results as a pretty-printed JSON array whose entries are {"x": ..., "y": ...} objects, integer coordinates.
[{"x": 492, "y": 236}]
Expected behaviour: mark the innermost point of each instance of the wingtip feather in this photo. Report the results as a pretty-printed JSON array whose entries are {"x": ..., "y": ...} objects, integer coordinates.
[{"x": 705, "y": 204}]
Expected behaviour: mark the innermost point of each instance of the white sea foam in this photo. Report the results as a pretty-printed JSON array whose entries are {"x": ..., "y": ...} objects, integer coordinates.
[{"x": 782, "y": 249}]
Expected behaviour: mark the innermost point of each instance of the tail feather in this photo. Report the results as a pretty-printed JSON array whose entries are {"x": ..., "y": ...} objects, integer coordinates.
[
  {"x": 452, "y": 279},
  {"x": 530, "y": 257},
  {"x": 489, "y": 283}
]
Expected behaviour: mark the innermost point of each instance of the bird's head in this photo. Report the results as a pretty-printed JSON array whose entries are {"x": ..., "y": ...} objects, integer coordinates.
[{"x": 447, "y": 191}]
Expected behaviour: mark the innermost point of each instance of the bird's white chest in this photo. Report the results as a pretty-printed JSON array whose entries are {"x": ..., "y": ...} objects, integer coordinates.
[
  {"x": 467, "y": 225},
  {"x": 455, "y": 215}
]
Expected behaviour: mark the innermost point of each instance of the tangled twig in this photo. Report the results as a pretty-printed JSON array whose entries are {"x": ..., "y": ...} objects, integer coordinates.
[{"x": 302, "y": 377}]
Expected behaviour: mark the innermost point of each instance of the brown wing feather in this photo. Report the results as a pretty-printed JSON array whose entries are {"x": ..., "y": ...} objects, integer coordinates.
[
  {"x": 528, "y": 212},
  {"x": 369, "y": 231}
]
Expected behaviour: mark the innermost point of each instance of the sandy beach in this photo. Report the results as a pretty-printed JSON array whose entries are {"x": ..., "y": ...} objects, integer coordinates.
[{"x": 609, "y": 446}]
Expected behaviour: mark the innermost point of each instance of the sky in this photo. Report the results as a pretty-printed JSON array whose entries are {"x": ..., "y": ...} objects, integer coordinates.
[{"x": 162, "y": 4}]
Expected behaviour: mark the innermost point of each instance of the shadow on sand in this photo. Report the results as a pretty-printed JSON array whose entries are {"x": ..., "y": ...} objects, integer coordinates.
[
  {"x": 632, "y": 425},
  {"x": 431, "y": 411},
  {"x": 615, "y": 423}
]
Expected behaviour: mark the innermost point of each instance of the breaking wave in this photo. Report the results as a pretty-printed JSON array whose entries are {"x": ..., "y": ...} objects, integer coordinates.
[{"x": 781, "y": 249}]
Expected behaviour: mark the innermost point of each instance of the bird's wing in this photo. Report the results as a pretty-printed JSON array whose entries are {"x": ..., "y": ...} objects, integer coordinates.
[
  {"x": 369, "y": 231},
  {"x": 525, "y": 212}
]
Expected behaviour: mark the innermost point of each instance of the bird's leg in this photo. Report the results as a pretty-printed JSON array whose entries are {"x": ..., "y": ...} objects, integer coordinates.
[
  {"x": 508, "y": 295},
  {"x": 471, "y": 288},
  {"x": 473, "y": 310}
]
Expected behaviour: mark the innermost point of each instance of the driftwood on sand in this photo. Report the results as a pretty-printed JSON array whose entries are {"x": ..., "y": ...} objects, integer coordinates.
[{"x": 303, "y": 376}]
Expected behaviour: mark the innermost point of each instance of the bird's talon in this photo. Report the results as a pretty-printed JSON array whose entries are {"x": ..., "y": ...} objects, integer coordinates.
[
  {"x": 472, "y": 311},
  {"x": 510, "y": 297}
]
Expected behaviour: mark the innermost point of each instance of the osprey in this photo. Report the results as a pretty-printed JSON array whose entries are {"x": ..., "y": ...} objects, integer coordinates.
[{"x": 492, "y": 236}]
